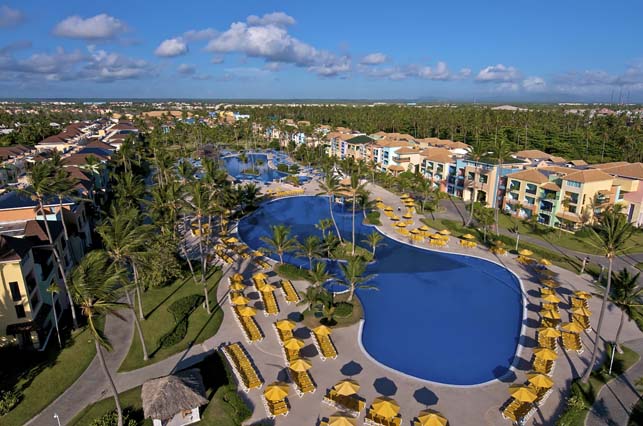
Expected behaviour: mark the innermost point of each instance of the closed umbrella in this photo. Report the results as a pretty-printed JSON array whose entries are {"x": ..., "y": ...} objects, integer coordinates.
[
  {"x": 247, "y": 311},
  {"x": 545, "y": 354},
  {"x": 523, "y": 393},
  {"x": 385, "y": 407},
  {"x": 431, "y": 418},
  {"x": 540, "y": 380},
  {"x": 341, "y": 420},
  {"x": 276, "y": 391},
  {"x": 346, "y": 387},
  {"x": 285, "y": 325},
  {"x": 300, "y": 365}
]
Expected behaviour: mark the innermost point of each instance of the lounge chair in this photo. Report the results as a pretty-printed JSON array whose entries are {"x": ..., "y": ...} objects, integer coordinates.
[
  {"x": 572, "y": 342},
  {"x": 290, "y": 294},
  {"x": 350, "y": 403}
]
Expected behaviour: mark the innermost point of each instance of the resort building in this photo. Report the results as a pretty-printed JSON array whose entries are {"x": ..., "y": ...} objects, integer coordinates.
[
  {"x": 533, "y": 193},
  {"x": 483, "y": 181},
  {"x": 439, "y": 166}
]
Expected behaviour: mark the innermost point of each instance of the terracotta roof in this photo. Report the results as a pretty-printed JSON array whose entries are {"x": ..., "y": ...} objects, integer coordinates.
[
  {"x": 80, "y": 159},
  {"x": 443, "y": 143},
  {"x": 530, "y": 175},
  {"x": 36, "y": 229},
  {"x": 13, "y": 248},
  {"x": 407, "y": 150},
  {"x": 440, "y": 155},
  {"x": 391, "y": 143},
  {"x": 558, "y": 169},
  {"x": 554, "y": 159},
  {"x": 628, "y": 170},
  {"x": 578, "y": 163},
  {"x": 588, "y": 175},
  {"x": 99, "y": 144},
  {"x": 396, "y": 168},
  {"x": 572, "y": 217},
  {"x": 532, "y": 154},
  {"x": 608, "y": 165},
  {"x": 550, "y": 186}
]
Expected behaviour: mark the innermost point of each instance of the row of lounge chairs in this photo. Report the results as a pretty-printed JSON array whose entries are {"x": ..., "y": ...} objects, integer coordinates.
[
  {"x": 282, "y": 335},
  {"x": 572, "y": 342},
  {"x": 286, "y": 193},
  {"x": 543, "y": 366},
  {"x": 439, "y": 243},
  {"x": 347, "y": 403},
  {"x": 269, "y": 303},
  {"x": 517, "y": 411},
  {"x": 303, "y": 382},
  {"x": 276, "y": 408},
  {"x": 243, "y": 368},
  {"x": 290, "y": 294},
  {"x": 375, "y": 420},
  {"x": 468, "y": 244},
  {"x": 224, "y": 257},
  {"x": 325, "y": 347},
  {"x": 249, "y": 326}
]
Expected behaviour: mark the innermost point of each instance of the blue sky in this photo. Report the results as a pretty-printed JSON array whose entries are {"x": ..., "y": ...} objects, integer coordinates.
[{"x": 414, "y": 49}]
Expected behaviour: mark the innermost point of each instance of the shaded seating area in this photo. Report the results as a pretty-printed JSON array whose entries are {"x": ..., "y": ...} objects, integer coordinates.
[
  {"x": 291, "y": 348},
  {"x": 246, "y": 373},
  {"x": 275, "y": 399},
  {"x": 284, "y": 329},
  {"x": 384, "y": 411},
  {"x": 338, "y": 419},
  {"x": 343, "y": 396},
  {"x": 468, "y": 241},
  {"x": 544, "y": 359},
  {"x": 572, "y": 342},
  {"x": 325, "y": 346},
  {"x": 244, "y": 317},
  {"x": 267, "y": 295},
  {"x": 516, "y": 410},
  {"x": 547, "y": 338},
  {"x": 290, "y": 294},
  {"x": 430, "y": 418},
  {"x": 300, "y": 376}
]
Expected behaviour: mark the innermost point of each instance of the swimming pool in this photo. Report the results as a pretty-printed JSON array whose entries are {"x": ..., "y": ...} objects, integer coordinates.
[
  {"x": 440, "y": 317},
  {"x": 235, "y": 167}
]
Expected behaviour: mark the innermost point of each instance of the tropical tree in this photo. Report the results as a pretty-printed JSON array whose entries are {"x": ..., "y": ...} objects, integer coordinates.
[
  {"x": 475, "y": 153},
  {"x": 280, "y": 242},
  {"x": 310, "y": 298},
  {"x": 198, "y": 202},
  {"x": 484, "y": 217},
  {"x": 53, "y": 290},
  {"x": 354, "y": 276},
  {"x": 355, "y": 188},
  {"x": 611, "y": 235},
  {"x": 129, "y": 190},
  {"x": 96, "y": 287},
  {"x": 329, "y": 187},
  {"x": 310, "y": 248},
  {"x": 330, "y": 243},
  {"x": 323, "y": 225},
  {"x": 626, "y": 294},
  {"x": 374, "y": 240},
  {"x": 318, "y": 274}
]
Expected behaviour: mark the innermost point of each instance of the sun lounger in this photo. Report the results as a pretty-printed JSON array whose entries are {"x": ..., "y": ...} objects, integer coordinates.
[
  {"x": 547, "y": 342},
  {"x": 581, "y": 320},
  {"x": 572, "y": 342},
  {"x": 579, "y": 303},
  {"x": 303, "y": 382},
  {"x": 352, "y": 404},
  {"x": 543, "y": 367},
  {"x": 246, "y": 373},
  {"x": 249, "y": 326},
  {"x": 276, "y": 408},
  {"x": 375, "y": 420},
  {"x": 325, "y": 347},
  {"x": 283, "y": 335},
  {"x": 290, "y": 294},
  {"x": 269, "y": 303}
]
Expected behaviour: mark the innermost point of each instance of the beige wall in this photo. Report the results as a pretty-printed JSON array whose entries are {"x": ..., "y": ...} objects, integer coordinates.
[{"x": 10, "y": 272}]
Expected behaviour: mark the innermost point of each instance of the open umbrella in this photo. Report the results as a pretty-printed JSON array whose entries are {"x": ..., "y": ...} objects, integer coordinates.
[
  {"x": 259, "y": 276},
  {"x": 237, "y": 286},
  {"x": 401, "y": 224},
  {"x": 237, "y": 277},
  {"x": 468, "y": 237},
  {"x": 407, "y": 216},
  {"x": 550, "y": 283},
  {"x": 385, "y": 407},
  {"x": 285, "y": 325},
  {"x": 424, "y": 228},
  {"x": 240, "y": 300},
  {"x": 571, "y": 327},
  {"x": 267, "y": 288},
  {"x": 294, "y": 344},
  {"x": 378, "y": 199},
  {"x": 549, "y": 332},
  {"x": 525, "y": 252},
  {"x": 257, "y": 253},
  {"x": 388, "y": 209},
  {"x": 300, "y": 365},
  {"x": 231, "y": 240},
  {"x": 545, "y": 354},
  {"x": 549, "y": 314},
  {"x": 584, "y": 312},
  {"x": 415, "y": 231},
  {"x": 540, "y": 380},
  {"x": 346, "y": 387},
  {"x": 341, "y": 420},
  {"x": 545, "y": 262},
  {"x": 582, "y": 294},
  {"x": 395, "y": 217},
  {"x": 322, "y": 330},
  {"x": 276, "y": 391},
  {"x": 247, "y": 311},
  {"x": 431, "y": 418},
  {"x": 551, "y": 298},
  {"x": 405, "y": 195},
  {"x": 444, "y": 232},
  {"x": 523, "y": 393}
]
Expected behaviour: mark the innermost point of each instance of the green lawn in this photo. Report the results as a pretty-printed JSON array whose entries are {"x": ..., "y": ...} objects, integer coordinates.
[
  {"x": 160, "y": 321},
  {"x": 130, "y": 401},
  {"x": 46, "y": 378},
  {"x": 639, "y": 266}
]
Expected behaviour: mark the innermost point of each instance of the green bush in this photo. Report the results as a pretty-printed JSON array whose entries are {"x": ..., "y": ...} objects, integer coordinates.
[
  {"x": 343, "y": 309},
  {"x": 111, "y": 419},
  {"x": 293, "y": 180},
  {"x": 181, "y": 310},
  {"x": 8, "y": 400},
  {"x": 291, "y": 272},
  {"x": 294, "y": 168},
  {"x": 230, "y": 396},
  {"x": 282, "y": 167},
  {"x": 373, "y": 218}
]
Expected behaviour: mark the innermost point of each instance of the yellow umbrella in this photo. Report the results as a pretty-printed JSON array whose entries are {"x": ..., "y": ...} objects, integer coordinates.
[
  {"x": 545, "y": 354},
  {"x": 237, "y": 286},
  {"x": 322, "y": 330},
  {"x": 247, "y": 311},
  {"x": 550, "y": 283},
  {"x": 257, "y": 253},
  {"x": 545, "y": 262},
  {"x": 522, "y": 393},
  {"x": 551, "y": 298},
  {"x": 549, "y": 314},
  {"x": 424, "y": 228},
  {"x": 431, "y": 418},
  {"x": 549, "y": 332},
  {"x": 571, "y": 327},
  {"x": 400, "y": 224},
  {"x": 237, "y": 277},
  {"x": 405, "y": 195},
  {"x": 584, "y": 312},
  {"x": 407, "y": 216},
  {"x": 468, "y": 237},
  {"x": 385, "y": 407},
  {"x": 415, "y": 231},
  {"x": 525, "y": 252},
  {"x": 285, "y": 325},
  {"x": 300, "y": 365},
  {"x": 444, "y": 232},
  {"x": 378, "y": 198},
  {"x": 267, "y": 288},
  {"x": 240, "y": 300},
  {"x": 341, "y": 420},
  {"x": 294, "y": 344},
  {"x": 260, "y": 276},
  {"x": 582, "y": 294},
  {"x": 276, "y": 391},
  {"x": 435, "y": 236},
  {"x": 540, "y": 380},
  {"x": 346, "y": 387},
  {"x": 231, "y": 240},
  {"x": 388, "y": 209},
  {"x": 394, "y": 217}
]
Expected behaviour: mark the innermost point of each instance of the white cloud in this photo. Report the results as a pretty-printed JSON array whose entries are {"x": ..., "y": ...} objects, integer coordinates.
[
  {"x": 10, "y": 17},
  {"x": 217, "y": 59},
  {"x": 498, "y": 74},
  {"x": 172, "y": 47},
  {"x": 199, "y": 35},
  {"x": 439, "y": 72},
  {"x": 186, "y": 69},
  {"x": 110, "y": 66},
  {"x": 97, "y": 27},
  {"x": 534, "y": 84},
  {"x": 374, "y": 59},
  {"x": 278, "y": 19}
]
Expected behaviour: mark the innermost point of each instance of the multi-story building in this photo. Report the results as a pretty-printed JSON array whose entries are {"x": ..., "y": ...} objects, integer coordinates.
[
  {"x": 534, "y": 192},
  {"x": 439, "y": 166}
]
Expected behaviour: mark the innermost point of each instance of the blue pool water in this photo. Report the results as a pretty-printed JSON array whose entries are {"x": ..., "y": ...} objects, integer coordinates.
[
  {"x": 235, "y": 167},
  {"x": 441, "y": 317}
]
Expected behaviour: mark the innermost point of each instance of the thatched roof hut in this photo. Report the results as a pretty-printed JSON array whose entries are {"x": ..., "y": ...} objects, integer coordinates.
[{"x": 166, "y": 396}]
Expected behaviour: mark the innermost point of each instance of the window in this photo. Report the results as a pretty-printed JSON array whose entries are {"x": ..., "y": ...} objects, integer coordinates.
[
  {"x": 35, "y": 301},
  {"x": 530, "y": 200},
  {"x": 514, "y": 185},
  {"x": 573, "y": 184},
  {"x": 483, "y": 178},
  {"x": 20, "y": 311},
  {"x": 15, "y": 291},
  {"x": 531, "y": 188}
]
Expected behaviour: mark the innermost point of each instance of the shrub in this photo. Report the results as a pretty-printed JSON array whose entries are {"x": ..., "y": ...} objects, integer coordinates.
[
  {"x": 294, "y": 180},
  {"x": 230, "y": 396},
  {"x": 111, "y": 419},
  {"x": 373, "y": 218},
  {"x": 8, "y": 400},
  {"x": 282, "y": 167},
  {"x": 291, "y": 272},
  {"x": 584, "y": 232},
  {"x": 180, "y": 310},
  {"x": 343, "y": 309},
  {"x": 294, "y": 168}
]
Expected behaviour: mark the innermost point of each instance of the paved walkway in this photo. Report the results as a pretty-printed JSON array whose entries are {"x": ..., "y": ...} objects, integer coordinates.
[{"x": 614, "y": 403}]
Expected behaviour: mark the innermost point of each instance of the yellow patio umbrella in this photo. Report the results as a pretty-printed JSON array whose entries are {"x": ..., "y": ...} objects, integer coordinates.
[
  {"x": 431, "y": 418},
  {"x": 424, "y": 228},
  {"x": 545, "y": 354},
  {"x": 545, "y": 262},
  {"x": 435, "y": 236},
  {"x": 395, "y": 217},
  {"x": 322, "y": 330},
  {"x": 525, "y": 252},
  {"x": 550, "y": 283},
  {"x": 551, "y": 298},
  {"x": 237, "y": 277},
  {"x": 415, "y": 231},
  {"x": 549, "y": 314},
  {"x": 571, "y": 327},
  {"x": 346, "y": 387},
  {"x": 257, "y": 253},
  {"x": 584, "y": 312},
  {"x": 539, "y": 380},
  {"x": 388, "y": 209},
  {"x": 385, "y": 407},
  {"x": 405, "y": 195},
  {"x": 276, "y": 391},
  {"x": 231, "y": 240},
  {"x": 407, "y": 216},
  {"x": 549, "y": 332},
  {"x": 341, "y": 420},
  {"x": 267, "y": 288},
  {"x": 300, "y": 365},
  {"x": 468, "y": 237},
  {"x": 237, "y": 286},
  {"x": 401, "y": 224},
  {"x": 285, "y": 325},
  {"x": 260, "y": 276},
  {"x": 522, "y": 393},
  {"x": 240, "y": 300},
  {"x": 294, "y": 344},
  {"x": 444, "y": 232},
  {"x": 247, "y": 311},
  {"x": 582, "y": 294},
  {"x": 378, "y": 199}
]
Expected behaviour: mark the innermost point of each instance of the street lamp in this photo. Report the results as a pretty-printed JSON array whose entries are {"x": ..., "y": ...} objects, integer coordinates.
[
  {"x": 57, "y": 418},
  {"x": 517, "y": 238}
]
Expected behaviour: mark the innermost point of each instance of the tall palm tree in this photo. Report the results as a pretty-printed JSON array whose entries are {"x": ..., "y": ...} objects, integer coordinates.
[
  {"x": 354, "y": 277},
  {"x": 53, "y": 290},
  {"x": 611, "y": 235},
  {"x": 318, "y": 274},
  {"x": 199, "y": 203},
  {"x": 475, "y": 153},
  {"x": 501, "y": 153},
  {"x": 96, "y": 287},
  {"x": 41, "y": 184},
  {"x": 280, "y": 242},
  {"x": 329, "y": 187},
  {"x": 354, "y": 189},
  {"x": 129, "y": 189},
  {"x": 374, "y": 240},
  {"x": 310, "y": 248},
  {"x": 626, "y": 294},
  {"x": 323, "y": 225}
]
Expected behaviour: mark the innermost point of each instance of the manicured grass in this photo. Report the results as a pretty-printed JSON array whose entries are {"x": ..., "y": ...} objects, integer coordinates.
[
  {"x": 43, "y": 380},
  {"x": 130, "y": 402},
  {"x": 291, "y": 272},
  {"x": 344, "y": 251},
  {"x": 159, "y": 321},
  {"x": 639, "y": 266},
  {"x": 582, "y": 396},
  {"x": 311, "y": 320}
]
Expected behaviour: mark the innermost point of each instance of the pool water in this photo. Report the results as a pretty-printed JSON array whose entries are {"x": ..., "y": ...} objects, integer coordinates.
[
  {"x": 440, "y": 317},
  {"x": 235, "y": 168}
]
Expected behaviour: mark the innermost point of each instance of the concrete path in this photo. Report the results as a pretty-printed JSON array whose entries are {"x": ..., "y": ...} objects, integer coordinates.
[{"x": 616, "y": 399}]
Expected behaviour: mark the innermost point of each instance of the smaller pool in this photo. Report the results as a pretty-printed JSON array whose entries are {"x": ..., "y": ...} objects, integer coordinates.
[{"x": 236, "y": 167}]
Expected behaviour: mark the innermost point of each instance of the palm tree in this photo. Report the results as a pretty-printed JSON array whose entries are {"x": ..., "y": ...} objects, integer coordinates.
[
  {"x": 280, "y": 242},
  {"x": 611, "y": 234},
  {"x": 317, "y": 275},
  {"x": 355, "y": 189},
  {"x": 354, "y": 277},
  {"x": 323, "y": 225},
  {"x": 475, "y": 153},
  {"x": 626, "y": 295},
  {"x": 501, "y": 154},
  {"x": 41, "y": 185},
  {"x": 199, "y": 202},
  {"x": 96, "y": 287},
  {"x": 129, "y": 189},
  {"x": 374, "y": 240},
  {"x": 310, "y": 248},
  {"x": 329, "y": 187},
  {"x": 310, "y": 297},
  {"x": 53, "y": 290}
]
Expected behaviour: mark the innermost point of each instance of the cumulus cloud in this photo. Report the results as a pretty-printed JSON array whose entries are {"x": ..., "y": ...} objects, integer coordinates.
[
  {"x": 498, "y": 74},
  {"x": 10, "y": 17},
  {"x": 172, "y": 47},
  {"x": 439, "y": 72},
  {"x": 14, "y": 46},
  {"x": 186, "y": 69},
  {"x": 99, "y": 27},
  {"x": 534, "y": 84},
  {"x": 199, "y": 35},
  {"x": 374, "y": 59},
  {"x": 278, "y": 19}
]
